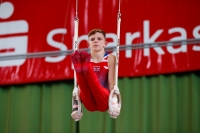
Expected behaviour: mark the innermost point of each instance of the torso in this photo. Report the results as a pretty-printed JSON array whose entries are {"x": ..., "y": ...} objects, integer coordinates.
[{"x": 101, "y": 70}]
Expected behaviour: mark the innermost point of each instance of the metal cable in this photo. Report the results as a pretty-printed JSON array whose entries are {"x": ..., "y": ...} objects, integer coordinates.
[
  {"x": 76, "y": 9},
  {"x": 1, "y": 3},
  {"x": 108, "y": 49},
  {"x": 65, "y": 21}
]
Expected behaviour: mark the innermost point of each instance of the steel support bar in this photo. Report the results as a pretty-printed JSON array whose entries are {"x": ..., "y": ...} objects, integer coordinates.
[{"x": 121, "y": 47}]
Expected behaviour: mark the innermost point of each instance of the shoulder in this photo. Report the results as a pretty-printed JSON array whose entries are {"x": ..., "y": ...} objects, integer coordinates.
[{"x": 111, "y": 59}]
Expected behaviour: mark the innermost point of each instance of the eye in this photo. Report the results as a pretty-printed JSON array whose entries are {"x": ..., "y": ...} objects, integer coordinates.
[
  {"x": 92, "y": 39},
  {"x": 99, "y": 38}
]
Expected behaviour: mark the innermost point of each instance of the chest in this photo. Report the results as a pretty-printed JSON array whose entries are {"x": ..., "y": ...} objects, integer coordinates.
[{"x": 100, "y": 67}]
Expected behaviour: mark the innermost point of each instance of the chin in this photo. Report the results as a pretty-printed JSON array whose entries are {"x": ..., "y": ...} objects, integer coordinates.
[{"x": 96, "y": 50}]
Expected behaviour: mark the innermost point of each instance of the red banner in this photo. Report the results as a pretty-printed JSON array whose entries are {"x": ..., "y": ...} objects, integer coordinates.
[{"x": 48, "y": 25}]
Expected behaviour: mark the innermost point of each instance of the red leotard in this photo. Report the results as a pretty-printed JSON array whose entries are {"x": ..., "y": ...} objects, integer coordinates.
[
  {"x": 93, "y": 84},
  {"x": 101, "y": 70}
]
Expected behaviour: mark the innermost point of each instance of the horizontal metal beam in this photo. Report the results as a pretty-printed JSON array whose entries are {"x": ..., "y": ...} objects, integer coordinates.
[{"x": 121, "y": 47}]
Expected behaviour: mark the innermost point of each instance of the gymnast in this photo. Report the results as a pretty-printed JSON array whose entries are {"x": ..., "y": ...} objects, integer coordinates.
[{"x": 95, "y": 73}]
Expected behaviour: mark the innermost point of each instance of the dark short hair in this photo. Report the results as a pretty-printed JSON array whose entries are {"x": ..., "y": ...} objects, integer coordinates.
[{"x": 93, "y": 31}]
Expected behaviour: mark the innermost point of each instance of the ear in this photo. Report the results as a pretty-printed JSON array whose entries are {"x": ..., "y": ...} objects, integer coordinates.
[
  {"x": 88, "y": 44},
  {"x": 106, "y": 43}
]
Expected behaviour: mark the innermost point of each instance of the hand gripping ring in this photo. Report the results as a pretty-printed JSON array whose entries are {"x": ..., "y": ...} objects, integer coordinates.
[
  {"x": 114, "y": 91},
  {"x": 76, "y": 95}
]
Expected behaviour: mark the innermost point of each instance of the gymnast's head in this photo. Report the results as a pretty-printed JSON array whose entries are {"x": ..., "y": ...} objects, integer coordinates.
[
  {"x": 94, "y": 31},
  {"x": 97, "y": 39}
]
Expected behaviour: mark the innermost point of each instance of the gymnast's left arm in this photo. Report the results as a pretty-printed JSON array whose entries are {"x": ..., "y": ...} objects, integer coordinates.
[{"x": 111, "y": 72}]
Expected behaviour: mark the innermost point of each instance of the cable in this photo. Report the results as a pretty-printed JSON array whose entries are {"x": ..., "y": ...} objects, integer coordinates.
[
  {"x": 76, "y": 9},
  {"x": 1, "y": 3},
  {"x": 108, "y": 49},
  {"x": 65, "y": 21}
]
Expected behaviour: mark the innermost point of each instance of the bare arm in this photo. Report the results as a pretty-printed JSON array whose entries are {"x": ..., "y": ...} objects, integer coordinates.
[{"x": 111, "y": 73}]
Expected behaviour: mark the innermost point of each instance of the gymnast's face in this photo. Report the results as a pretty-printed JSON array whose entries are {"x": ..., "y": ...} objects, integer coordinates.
[{"x": 97, "y": 42}]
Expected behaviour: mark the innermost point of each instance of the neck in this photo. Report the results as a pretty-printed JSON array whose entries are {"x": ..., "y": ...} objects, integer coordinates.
[{"x": 97, "y": 56}]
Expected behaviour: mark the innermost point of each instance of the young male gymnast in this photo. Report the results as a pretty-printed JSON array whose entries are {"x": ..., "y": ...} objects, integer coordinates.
[{"x": 95, "y": 73}]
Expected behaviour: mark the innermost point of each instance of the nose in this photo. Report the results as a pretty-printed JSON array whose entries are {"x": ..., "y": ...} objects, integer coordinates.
[{"x": 95, "y": 40}]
